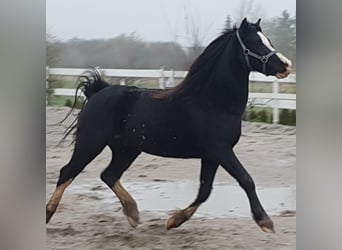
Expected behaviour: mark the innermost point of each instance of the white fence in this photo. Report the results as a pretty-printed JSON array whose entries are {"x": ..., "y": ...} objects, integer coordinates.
[{"x": 274, "y": 100}]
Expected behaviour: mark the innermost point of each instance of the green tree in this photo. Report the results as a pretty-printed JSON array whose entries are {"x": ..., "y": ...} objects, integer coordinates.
[
  {"x": 228, "y": 24},
  {"x": 282, "y": 32}
]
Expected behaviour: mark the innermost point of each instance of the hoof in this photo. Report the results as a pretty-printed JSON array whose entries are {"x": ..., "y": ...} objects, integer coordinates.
[
  {"x": 266, "y": 225},
  {"x": 132, "y": 213},
  {"x": 133, "y": 221},
  {"x": 49, "y": 213},
  {"x": 177, "y": 219},
  {"x": 48, "y": 216}
]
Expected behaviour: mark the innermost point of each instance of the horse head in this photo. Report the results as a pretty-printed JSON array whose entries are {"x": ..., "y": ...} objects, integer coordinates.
[{"x": 259, "y": 53}]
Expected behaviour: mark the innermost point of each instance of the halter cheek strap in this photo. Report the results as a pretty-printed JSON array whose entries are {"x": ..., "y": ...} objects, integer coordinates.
[{"x": 247, "y": 53}]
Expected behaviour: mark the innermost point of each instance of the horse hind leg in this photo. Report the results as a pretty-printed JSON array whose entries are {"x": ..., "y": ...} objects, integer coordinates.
[
  {"x": 208, "y": 171},
  {"x": 52, "y": 205},
  {"x": 87, "y": 147},
  {"x": 122, "y": 159},
  {"x": 130, "y": 207}
]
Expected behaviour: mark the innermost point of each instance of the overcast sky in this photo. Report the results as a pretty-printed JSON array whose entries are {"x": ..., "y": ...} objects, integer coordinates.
[{"x": 151, "y": 20}]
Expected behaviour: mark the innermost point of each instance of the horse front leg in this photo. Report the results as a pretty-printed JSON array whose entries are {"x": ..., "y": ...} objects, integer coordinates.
[
  {"x": 208, "y": 171},
  {"x": 232, "y": 165}
]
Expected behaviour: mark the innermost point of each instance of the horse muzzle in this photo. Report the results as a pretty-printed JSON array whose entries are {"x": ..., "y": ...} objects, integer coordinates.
[{"x": 285, "y": 73}]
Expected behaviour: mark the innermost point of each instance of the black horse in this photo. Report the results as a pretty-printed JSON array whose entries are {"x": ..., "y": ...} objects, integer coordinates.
[{"x": 200, "y": 118}]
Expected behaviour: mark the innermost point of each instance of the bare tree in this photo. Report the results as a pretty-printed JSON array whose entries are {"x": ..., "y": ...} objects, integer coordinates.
[
  {"x": 194, "y": 33},
  {"x": 52, "y": 50},
  {"x": 249, "y": 9},
  {"x": 193, "y": 36}
]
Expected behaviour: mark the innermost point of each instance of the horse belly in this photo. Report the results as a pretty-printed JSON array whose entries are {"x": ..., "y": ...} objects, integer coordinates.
[
  {"x": 163, "y": 143},
  {"x": 172, "y": 148}
]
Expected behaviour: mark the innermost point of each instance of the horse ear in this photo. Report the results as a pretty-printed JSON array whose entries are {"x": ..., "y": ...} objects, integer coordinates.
[
  {"x": 258, "y": 22},
  {"x": 243, "y": 25}
]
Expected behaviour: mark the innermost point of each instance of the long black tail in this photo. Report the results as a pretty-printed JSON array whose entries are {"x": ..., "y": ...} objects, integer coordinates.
[{"x": 90, "y": 82}]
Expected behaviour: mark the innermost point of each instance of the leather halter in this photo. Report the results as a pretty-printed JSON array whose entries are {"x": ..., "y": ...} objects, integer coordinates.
[{"x": 247, "y": 53}]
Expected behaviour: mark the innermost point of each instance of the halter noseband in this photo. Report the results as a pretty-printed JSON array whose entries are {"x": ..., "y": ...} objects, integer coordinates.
[{"x": 247, "y": 52}]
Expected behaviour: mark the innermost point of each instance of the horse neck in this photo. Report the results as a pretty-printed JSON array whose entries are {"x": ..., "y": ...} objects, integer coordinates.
[{"x": 227, "y": 89}]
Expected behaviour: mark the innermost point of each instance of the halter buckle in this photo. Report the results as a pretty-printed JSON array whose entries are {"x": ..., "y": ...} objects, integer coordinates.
[{"x": 264, "y": 59}]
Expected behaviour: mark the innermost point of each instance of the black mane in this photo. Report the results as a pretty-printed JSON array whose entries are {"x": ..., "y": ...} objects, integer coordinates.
[{"x": 200, "y": 70}]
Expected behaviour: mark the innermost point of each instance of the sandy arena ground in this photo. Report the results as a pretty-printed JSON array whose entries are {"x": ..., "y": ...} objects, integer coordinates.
[{"x": 87, "y": 221}]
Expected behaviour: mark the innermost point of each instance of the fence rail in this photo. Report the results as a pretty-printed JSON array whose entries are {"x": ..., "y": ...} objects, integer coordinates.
[{"x": 274, "y": 100}]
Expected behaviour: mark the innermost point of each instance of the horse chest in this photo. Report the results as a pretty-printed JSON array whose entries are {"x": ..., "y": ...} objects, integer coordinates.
[{"x": 220, "y": 129}]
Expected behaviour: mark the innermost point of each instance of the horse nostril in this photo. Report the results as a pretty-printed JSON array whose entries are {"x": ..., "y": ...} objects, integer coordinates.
[{"x": 286, "y": 65}]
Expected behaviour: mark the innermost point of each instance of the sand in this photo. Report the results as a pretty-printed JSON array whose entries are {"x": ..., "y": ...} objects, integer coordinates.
[{"x": 86, "y": 220}]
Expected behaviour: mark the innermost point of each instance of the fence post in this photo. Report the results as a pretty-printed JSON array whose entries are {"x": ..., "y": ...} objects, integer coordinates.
[
  {"x": 275, "y": 90},
  {"x": 122, "y": 82},
  {"x": 161, "y": 78},
  {"x": 47, "y": 84},
  {"x": 171, "y": 80}
]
